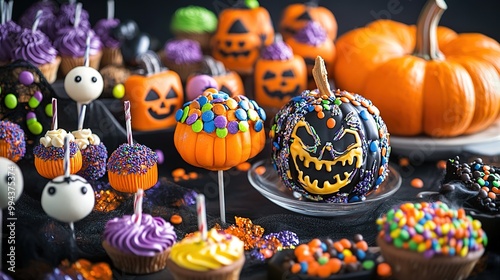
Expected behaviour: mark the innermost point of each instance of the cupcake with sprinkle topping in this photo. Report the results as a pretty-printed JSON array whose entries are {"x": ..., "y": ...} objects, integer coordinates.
[
  {"x": 430, "y": 241},
  {"x": 131, "y": 167},
  {"x": 12, "y": 141},
  {"x": 94, "y": 154}
]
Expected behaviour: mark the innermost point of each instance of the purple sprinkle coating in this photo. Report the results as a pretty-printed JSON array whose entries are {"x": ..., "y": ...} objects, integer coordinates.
[
  {"x": 287, "y": 238},
  {"x": 94, "y": 162},
  {"x": 14, "y": 136},
  {"x": 232, "y": 127},
  {"x": 312, "y": 34},
  {"x": 132, "y": 159},
  {"x": 220, "y": 121},
  {"x": 54, "y": 153},
  {"x": 277, "y": 51},
  {"x": 183, "y": 51}
]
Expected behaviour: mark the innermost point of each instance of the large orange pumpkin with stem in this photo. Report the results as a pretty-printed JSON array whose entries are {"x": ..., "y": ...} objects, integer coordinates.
[
  {"x": 427, "y": 79},
  {"x": 217, "y": 132},
  {"x": 296, "y": 16}
]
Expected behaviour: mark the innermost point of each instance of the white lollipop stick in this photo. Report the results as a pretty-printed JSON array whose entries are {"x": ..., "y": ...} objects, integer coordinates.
[
  {"x": 128, "y": 122},
  {"x": 78, "y": 12},
  {"x": 81, "y": 117},
  {"x": 111, "y": 9},
  {"x": 54, "y": 114},
  {"x": 139, "y": 196},
  {"x": 66, "y": 157},
  {"x": 222, "y": 203},
  {"x": 37, "y": 20},
  {"x": 202, "y": 216},
  {"x": 2, "y": 11}
]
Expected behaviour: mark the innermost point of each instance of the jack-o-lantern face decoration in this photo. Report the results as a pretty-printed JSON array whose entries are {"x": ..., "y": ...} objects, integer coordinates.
[
  {"x": 276, "y": 81},
  {"x": 330, "y": 148},
  {"x": 296, "y": 16},
  {"x": 154, "y": 100}
]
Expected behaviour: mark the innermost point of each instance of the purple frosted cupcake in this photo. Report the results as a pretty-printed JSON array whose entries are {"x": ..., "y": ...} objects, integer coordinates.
[
  {"x": 47, "y": 19},
  {"x": 111, "y": 53},
  {"x": 66, "y": 17},
  {"x": 183, "y": 56},
  {"x": 139, "y": 248},
  {"x": 94, "y": 154},
  {"x": 8, "y": 32},
  {"x": 35, "y": 47}
]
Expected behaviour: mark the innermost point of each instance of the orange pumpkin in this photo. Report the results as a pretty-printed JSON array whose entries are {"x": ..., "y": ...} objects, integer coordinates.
[
  {"x": 227, "y": 81},
  {"x": 154, "y": 99},
  {"x": 279, "y": 75},
  {"x": 426, "y": 80},
  {"x": 217, "y": 132},
  {"x": 310, "y": 42},
  {"x": 241, "y": 32},
  {"x": 296, "y": 16}
]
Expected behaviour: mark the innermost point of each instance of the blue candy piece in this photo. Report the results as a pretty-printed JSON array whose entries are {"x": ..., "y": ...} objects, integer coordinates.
[
  {"x": 241, "y": 114},
  {"x": 259, "y": 125},
  {"x": 207, "y": 116},
  {"x": 374, "y": 146},
  {"x": 209, "y": 127},
  {"x": 178, "y": 115},
  {"x": 202, "y": 100}
]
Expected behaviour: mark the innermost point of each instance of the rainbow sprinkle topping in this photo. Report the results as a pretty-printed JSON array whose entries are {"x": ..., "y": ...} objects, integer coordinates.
[
  {"x": 132, "y": 159},
  {"x": 13, "y": 135},
  {"x": 54, "y": 153},
  {"x": 215, "y": 111},
  {"x": 432, "y": 229}
]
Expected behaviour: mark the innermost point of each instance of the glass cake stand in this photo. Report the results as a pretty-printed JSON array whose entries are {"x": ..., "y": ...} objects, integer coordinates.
[{"x": 270, "y": 186}]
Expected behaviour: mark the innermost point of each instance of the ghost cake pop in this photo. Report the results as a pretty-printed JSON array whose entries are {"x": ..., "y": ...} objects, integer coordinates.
[
  {"x": 68, "y": 198},
  {"x": 83, "y": 84}
]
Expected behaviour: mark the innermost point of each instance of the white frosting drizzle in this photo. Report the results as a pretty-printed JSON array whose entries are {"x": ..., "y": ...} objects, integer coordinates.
[
  {"x": 85, "y": 137},
  {"x": 55, "y": 138}
]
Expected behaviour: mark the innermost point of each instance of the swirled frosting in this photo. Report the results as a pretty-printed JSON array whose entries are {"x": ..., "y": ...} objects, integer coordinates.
[
  {"x": 66, "y": 18},
  {"x": 34, "y": 47},
  {"x": 183, "y": 51},
  {"x": 8, "y": 32},
  {"x": 312, "y": 34},
  {"x": 72, "y": 42},
  {"x": 277, "y": 51},
  {"x": 193, "y": 19},
  {"x": 103, "y": 29},
  {"x": 85, "y": 137},
  {"x": 220, "y": 249},
  {"x": 55, "y": 138},
  {"x": 46, "y": 23},
  {"x": 154, "y": 235}
]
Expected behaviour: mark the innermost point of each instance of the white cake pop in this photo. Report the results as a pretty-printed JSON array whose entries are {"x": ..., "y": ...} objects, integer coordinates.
[
  {"x": 11, "y": 182},
  {"x": 83, "y": 84},
  {"x": 68, "y": 198}
]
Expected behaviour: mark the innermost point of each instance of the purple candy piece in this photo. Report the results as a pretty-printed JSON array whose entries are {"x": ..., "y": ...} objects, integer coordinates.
[
  {"x": 220, "y": 121},
  {"x": 217, "y": 100},
  {"x": 160, "y": 155},
  {"x": 26, "y": 78},
  {"x": 191, "y": 119},
  {"x": 30, "y": 115},
  {"x": 232, "y": 127},
  {"x": 38, "y": 95}
]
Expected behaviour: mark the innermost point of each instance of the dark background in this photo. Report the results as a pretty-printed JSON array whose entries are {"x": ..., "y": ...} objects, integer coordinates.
[{"x": 153, "y": 16}]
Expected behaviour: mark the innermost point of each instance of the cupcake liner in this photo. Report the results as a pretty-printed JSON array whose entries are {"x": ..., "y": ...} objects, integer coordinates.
[
  {"x": 69, "y": 62},
  {"x": 202, "y": 38},
  {"x": 411, "y": 265},
  {"x": 130, "y": 182},
  {"x": 130, "y": 263},
  {"x": 229, "y": 272},
  {"x": 53, "y": 168},
  {"x": 6, "y": 151},
  {"x": 49, "y": 70},
  {"x": 111, "y": 56}
]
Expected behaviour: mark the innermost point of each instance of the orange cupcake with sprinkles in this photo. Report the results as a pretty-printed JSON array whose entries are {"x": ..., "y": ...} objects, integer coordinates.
[{"x": 12, "y": 142}]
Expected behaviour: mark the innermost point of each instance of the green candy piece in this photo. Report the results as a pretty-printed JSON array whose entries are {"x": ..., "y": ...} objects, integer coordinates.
[
  {"x": 197, "y": 126},
  {"x": 413, "y": 245},
  {"x": 337, "y": 101},
  {"x": 252, "y": 4},
  {"x": 10, "y": 101},
  {"x": 322, "y": 260},
  {"x": 419, "y": 228},
  {"x": 243, "y": 126},
  {"x": 496, "y": 184},
  {"x": 119, "y": 91},
  {"x": 35, "y": 128},
  {"x": 33, "y": 103},
  {"x": 480, "y": 181},
  {"x": 398, "y": 243},
  {"x": 31, "y": 121},
  {"x": 185, "y": 113},
  {"x": 48, "y": 110},
  {"x": 404, "y": 235},
  {"x": 221, "y": 132},
  {"x": 206, "y": 107},
  {"x": 368, "y": 264}
]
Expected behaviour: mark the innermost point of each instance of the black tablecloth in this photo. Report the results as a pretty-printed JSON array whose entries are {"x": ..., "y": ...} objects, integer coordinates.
[{"x": 41, "y": 239}]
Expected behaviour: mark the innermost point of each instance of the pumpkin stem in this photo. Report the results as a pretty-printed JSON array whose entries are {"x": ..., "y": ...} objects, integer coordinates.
[
  {"x": 213, "y": 67},
  {"x": 426, "y": 45},
  {"x": 312, "y": 3},
  {"x": 321, "y": 76},
  {"x": 151, "y": 62}
]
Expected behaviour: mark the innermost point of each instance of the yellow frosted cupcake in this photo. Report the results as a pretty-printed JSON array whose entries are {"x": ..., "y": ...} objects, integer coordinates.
[{"x": 220, "y": 256}]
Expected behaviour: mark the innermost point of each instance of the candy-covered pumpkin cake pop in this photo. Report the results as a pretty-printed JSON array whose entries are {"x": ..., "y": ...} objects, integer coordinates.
[{"x": 330, "y": 146}]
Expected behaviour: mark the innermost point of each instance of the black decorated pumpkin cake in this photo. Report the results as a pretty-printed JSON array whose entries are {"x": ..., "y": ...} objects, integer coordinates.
[{"x": 330, "y": 146}]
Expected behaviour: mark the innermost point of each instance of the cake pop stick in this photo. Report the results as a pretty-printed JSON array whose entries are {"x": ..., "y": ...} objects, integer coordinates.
[
  {"x": 36, "y": 22},
  {"x": 202, "y": 216},
  {"x": 139, "y": 196},
  {"x": 111, "y": 9},
  {"x": 222, "y": 201},
  {"x": 81, "y": 117},
  {"x": 54, "y": 114},
  {"x": 2, "y": 11}
]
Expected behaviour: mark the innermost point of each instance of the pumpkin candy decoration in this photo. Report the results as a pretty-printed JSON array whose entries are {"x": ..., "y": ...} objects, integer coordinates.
[
  {"x": 279, "y": 75},
  {"x": 296, "y": 16},
  {"x": 217, "y": 132},
  {"x": 154, "y": 96},
  {"x": 241, "y": 32},
  {"x": 330, "y": 146},
  {"x": 431, "y": 81},
  {"x": 224, "y": 80},
  {"x": 310, "y": 42}
]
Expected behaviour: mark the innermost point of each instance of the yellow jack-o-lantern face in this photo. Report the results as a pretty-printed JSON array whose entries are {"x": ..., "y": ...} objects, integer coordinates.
[
  {"x": 154, "y": 100},
  {"x": 316, "y": 153},
  {"x": 235, "y": 44}
]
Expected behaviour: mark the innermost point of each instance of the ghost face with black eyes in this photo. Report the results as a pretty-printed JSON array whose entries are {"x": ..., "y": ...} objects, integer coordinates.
[
  {"x": 11, "y": 182},
  {"x": 68, "y": 199},
  {"x": 83, "y": 84}
]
